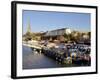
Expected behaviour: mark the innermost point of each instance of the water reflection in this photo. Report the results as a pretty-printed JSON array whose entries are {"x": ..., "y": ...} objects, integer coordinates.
[{"x": 33, "y": 60}]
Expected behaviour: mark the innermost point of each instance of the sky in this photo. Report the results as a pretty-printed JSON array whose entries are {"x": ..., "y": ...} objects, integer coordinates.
[{"x": 47, "y": 20}]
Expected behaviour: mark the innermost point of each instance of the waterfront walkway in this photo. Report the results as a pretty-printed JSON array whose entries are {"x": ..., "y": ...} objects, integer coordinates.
[{"x": 33, "y": 45}]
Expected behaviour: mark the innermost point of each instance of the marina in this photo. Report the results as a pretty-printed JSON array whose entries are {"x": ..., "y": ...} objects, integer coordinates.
[{"x": 39, "y": 56}]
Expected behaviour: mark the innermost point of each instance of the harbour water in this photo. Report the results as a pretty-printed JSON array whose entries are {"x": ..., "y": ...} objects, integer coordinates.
[{"x": 34, "y": 60}]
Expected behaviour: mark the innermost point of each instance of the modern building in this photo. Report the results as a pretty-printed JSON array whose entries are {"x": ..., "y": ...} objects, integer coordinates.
[{"x": 58, "y": 32}]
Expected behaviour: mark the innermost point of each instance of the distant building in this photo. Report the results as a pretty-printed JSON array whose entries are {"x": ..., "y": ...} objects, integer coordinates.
[
  {"x": 28, "y": 27},
  {"x": 28, "y": 35},
  {"x": 58, "y": 32},
  {"x": 85, "y": 36}
]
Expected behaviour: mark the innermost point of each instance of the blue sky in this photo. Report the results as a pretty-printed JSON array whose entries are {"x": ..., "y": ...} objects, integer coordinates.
[{"x": 45, "y": 21}]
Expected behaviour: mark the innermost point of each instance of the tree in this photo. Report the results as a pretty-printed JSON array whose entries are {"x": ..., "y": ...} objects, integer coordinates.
[
  {"x": 27, "y": 36},
  {"x": 89, "y": 34},
  {"x": 68, "y": 37}
]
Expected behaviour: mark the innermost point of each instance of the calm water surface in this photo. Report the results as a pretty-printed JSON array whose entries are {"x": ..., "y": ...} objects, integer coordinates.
[{"x": 33, "y": 60}]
